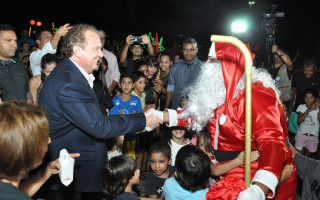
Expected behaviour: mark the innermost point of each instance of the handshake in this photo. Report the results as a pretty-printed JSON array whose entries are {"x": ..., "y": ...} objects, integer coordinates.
[{"x": 154, "y": 118}]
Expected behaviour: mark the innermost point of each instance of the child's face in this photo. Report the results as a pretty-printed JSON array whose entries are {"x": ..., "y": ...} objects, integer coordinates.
[
  {"x": 160, "y": 164},
  {"x": 178, "y": 132},
  {"x": 152, "y": 70},
  {"x": 120, "y": 140},
  {"x": 201, "y": 146},
  {"x": 144, "y": 69},
  {"x": 176, "y": 58},
  {"x": 140, "y": 84},
  {"x": 184, "y": 102},
  {"x": 165, "y": 62},
  {"x": 309, "y": 99},
  {"x": 48, "y": 69},
  {"x": 126, "y": 85}
]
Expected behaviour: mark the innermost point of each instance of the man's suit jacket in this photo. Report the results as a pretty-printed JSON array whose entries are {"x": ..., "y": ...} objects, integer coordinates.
[{"x": 77, "y": 125}]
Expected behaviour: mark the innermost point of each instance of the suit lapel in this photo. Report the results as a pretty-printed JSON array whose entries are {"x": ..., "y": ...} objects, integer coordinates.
[{"x": 77, "y": 77}]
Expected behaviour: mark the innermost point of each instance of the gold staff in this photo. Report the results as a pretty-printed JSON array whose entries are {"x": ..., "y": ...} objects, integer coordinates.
[{"x": 248, "y": 73}]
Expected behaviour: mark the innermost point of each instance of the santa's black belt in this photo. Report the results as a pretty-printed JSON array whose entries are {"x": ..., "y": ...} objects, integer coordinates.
[
  {"x": 230, "y": 155},
  {"x": 225, "y": 155}
]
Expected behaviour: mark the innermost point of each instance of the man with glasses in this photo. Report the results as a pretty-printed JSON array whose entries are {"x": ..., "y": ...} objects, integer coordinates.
[{"x": 183, "y": 73}]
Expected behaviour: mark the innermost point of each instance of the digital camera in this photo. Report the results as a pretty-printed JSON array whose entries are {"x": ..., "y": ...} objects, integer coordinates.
[{"x": 137, "y": 39}]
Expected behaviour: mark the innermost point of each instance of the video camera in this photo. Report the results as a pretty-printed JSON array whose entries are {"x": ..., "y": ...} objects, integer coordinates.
[{"x": 269, "y": 20}]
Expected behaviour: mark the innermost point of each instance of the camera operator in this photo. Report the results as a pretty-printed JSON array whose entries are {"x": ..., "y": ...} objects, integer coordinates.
[
  {"x": 281, "y": 71},
  {"x": 135, "y": 43}
]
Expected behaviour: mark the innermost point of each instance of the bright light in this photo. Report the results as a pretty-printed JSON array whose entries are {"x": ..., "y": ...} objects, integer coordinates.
[
  {"x": 251, "y": 2},
  {"x": 32, "y": 22},
  {"x": 239, "y": 26}
]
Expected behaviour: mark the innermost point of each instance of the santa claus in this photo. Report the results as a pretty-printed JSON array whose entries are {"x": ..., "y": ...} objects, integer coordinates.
[{"x": 217, "y": 100}]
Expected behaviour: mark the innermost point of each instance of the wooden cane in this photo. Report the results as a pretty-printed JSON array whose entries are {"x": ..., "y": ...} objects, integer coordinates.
[{"x": 248, "y": 73}]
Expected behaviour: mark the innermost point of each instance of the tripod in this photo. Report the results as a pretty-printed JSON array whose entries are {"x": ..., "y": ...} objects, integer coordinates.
[{"x": 270, "y": 40}]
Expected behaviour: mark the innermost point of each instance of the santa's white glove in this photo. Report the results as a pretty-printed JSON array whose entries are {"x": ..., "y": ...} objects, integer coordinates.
[
  {"x": 253, "y": 192},
  {"x": 173, "y": 117},
  {"x": 157, "y": 113}
]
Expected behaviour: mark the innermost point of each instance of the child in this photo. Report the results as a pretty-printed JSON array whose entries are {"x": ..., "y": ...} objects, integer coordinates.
[
  {"x": 100, "y": 87},
  {"x": 126, "y": 103},
  {"x": 177, "y": 58},
  {"x": 162, "y": 82},
  {"x": 151, "y": 94},
  {"x": 160, "y": 161},
  {"x": 113, "y": 148},
  {"x": 143, "y": 138},
  {"x": 306, "y": 140},
  {"x": 120, "y": 174},
  {"x": 191, "y": 175},
  {"x": 142, "y": 67},
  {"x": 204, "y": 144},
  {"x": 218, "y": 170},
  {"x": 149, "y": 100},
  {"x": 176, "y": 137},
  {"x": 153, "y": 67},
  {"x": 139, "y": 84}
]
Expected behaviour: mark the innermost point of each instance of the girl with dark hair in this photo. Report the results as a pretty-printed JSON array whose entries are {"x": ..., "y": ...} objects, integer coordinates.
[
  {"x": 120, "y": 175},
  {"x": 100, "y": 87},
  {"x": 48, "y": 63},
  {"x": 306, "y": 140},
  {"x": 113, "y": 146}
]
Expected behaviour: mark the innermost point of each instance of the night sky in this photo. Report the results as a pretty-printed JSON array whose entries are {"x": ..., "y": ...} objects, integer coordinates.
[{"x": 175, "y": 19}]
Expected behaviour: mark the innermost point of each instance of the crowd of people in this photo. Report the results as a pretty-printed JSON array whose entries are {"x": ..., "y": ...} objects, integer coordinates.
[{"x": 143, "y": 124}]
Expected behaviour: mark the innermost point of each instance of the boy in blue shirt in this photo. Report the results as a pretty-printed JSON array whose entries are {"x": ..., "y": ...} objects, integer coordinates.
[
  {"x": 191, "y": 175},
  {"x": 126, "y": 103}
]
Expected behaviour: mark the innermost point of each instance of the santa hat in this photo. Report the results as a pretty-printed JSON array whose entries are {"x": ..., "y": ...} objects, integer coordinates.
[{"x": 232, "y": 64}]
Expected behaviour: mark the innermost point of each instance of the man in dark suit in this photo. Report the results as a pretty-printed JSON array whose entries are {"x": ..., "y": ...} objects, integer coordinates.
[{"x": 76, "y": 122}]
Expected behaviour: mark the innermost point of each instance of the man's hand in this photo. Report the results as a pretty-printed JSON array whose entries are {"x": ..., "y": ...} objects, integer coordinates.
[
  {"x": 153, "y": 119},
  {"x": 63, "y": 30},
  {"x": 145, "y": 39},
  {"x": 129, "y": 40},
  {"x": 153, "y": 122}
]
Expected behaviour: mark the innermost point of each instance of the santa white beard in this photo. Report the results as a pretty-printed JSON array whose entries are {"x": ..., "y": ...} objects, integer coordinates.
[{"x": 209, "y": 92}]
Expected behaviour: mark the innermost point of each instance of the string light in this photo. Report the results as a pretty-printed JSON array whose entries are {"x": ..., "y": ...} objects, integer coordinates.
[{"x": 156, "y": 42}]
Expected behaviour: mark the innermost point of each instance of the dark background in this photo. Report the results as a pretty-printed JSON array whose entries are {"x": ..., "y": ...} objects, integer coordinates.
[{"x": 176, "y": 19}]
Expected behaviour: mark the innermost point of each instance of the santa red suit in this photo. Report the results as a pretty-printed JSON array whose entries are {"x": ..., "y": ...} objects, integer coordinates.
[{"x": 227, "y": 128}]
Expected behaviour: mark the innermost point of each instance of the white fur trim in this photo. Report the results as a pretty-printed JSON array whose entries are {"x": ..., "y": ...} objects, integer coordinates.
[
  {"x": 253, "y": 192},
  {"x": 173, "y": 118},
  {"x": 267, "y": 178},
  {"x": 212, "y": 51},
  {"x": 222, "y": 119}
]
